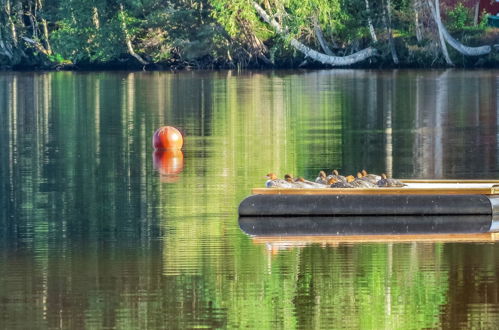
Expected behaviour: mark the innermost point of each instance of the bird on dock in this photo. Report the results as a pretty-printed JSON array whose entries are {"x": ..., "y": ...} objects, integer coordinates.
[
  {"x": 310, "y": 183},
  {"x": 289, "y": 179},
  {"x": 302, "y": 183},
  {"x": 373, "y": 178},
  {"x": 335, "y": 183},
  {"x": 336, "y": 176},
  {"x": 274, "y": 182},
  {"x": 321, "y": 178},
  {"x": 361, "y": 182},
  {"x": 389, "y": 182}
]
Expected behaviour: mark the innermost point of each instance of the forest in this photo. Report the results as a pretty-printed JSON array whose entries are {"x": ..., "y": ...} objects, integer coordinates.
[{"x": 239, "y": 34}]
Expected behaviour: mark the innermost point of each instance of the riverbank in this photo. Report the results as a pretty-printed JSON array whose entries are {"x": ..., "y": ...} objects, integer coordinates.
[
  {"x": 217, "y": 34},
  {"x": 411, "y": 55},
  {"x": 415, "y": 58}
]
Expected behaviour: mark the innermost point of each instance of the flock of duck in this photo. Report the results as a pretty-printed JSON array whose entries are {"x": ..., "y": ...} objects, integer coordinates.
[{"x": 334, "y": 180}]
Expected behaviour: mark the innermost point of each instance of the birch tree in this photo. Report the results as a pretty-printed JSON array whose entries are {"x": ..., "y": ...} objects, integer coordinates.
[
  {"x": 444, "y": 34},
  {"x": 311, "y": 53},
  {"x": 370, "y": 22},
  {"x": 128, "y": 39}
]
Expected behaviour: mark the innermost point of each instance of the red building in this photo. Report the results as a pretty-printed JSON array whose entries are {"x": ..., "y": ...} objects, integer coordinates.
[{"x": 490, "y": 6}]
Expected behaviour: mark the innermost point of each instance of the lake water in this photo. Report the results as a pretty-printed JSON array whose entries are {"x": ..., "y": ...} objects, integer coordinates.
[{"x": 99, "y": 232}]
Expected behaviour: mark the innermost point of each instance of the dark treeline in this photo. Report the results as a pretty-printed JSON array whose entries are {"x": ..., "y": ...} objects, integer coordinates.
[{"x": 176, "y": 34}]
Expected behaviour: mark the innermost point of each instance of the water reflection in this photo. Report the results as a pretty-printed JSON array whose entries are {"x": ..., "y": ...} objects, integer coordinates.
[
  {"x": 365, "y": 225},
  {"x": 169, "y": 164},
  {"x": 91, "y": 237}
]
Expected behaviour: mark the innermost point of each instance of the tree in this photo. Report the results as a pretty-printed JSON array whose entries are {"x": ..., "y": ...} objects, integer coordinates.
[
  {"x": 465, "y": 50},
  {"x": 313, "y": 54}
]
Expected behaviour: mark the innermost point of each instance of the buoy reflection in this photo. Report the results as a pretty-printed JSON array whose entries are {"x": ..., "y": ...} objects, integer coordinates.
[{"x": 169, "y": 163}]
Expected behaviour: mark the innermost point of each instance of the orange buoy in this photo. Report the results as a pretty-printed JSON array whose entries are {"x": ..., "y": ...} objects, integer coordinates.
[
  {"x": 169, "y": 163},
  {"x": 167, "y": 137}
]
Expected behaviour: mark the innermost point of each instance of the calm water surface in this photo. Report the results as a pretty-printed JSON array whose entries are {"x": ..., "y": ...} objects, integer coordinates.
[{"x": 98, "y": 232}]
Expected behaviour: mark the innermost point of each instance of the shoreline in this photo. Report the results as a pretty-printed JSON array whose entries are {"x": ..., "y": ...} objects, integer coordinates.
[{"x": 247, "y": 69}]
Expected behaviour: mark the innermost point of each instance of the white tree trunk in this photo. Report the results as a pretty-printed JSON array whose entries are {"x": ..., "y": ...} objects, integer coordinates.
[
  {"x": 46, "y": 36},
  {"x": 465, "y": 50},
  {"x": 388, "y": 24},
  {"x": 370, "y": 23},
  {"x": 477, "y": 12},
  {"x": 417, "y": 25},
  {"x": 128, "y": 40},
  {"x": 38, "y": 7},
  {"x": 37, "y": 45},
  {"x": 320, "y": 37},
  {"x": 315, "y": 55},
  {"x": 11, "y": 23},
  {"x": 440, "y": 34},
  {"x": 95, "y": 18},
  {"x": 5, "y": 49}
]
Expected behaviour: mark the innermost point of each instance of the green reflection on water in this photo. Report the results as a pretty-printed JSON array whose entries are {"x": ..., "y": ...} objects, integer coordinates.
[{"x": 93, "y": 236}]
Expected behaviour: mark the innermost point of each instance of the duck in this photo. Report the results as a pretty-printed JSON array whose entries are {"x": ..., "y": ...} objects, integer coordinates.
[
  {"x": 289, "y": 179},
  {"x": 388, "y": 182},
  {"x": 350, "y": 178},
  {"x": 310, "y": 183},
  {"x": 335, "y": 183},
  {"x": 321, "y": 178},
  {"x": 373, "y": 178},
  {"x": 300, "y": 182},
  {"x": 274, "y": 182},
  {"x": 337, "y": 176},
  {"x": 361, "y": 182}
]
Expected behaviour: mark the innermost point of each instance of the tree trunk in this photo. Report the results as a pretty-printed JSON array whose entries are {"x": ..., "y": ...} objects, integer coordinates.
[
  {"x": 417, "y": 25},
  {"x": 370, "y": 23},
  {"x": 46, "y": 36},
  {"x": 13, "y": 31},
  {"x": 440, "y": 34},
  {"x": 477, "y": 13},
  {"x": 37, "y": 45},
  {"x": 388, "y": 25},
  {"x": 128, "y": 40},
  {"x": 95, "y": 18},
  {"x": 307, "y": 51},
  {"x": 465, "y": 50},
  {"x": 320, "y": 37},
  {"x": 5, "y": 49},
  {"x": 45, "y": 30}
]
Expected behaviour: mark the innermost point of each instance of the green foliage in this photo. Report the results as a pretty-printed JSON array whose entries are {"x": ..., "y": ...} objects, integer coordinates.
[
  {"x": 232, "y": 13},
  {"x": 329, "y": 14},
  {"x": 58, "y": 59},
  {"x": 459, "y": 17},
  {"x": 483, "y": 23},
  {"x": 88, "y": 34},
  {"x": 211, "y": 33}
]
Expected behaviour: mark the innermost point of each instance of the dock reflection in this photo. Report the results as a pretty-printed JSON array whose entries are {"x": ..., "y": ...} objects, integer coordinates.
[{"x": 284, "y": 232}]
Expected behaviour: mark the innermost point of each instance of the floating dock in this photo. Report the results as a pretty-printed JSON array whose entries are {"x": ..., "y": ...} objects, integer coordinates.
[
  {"x": 422, "y": 207},
  {"x": 419, "y": 197}
]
